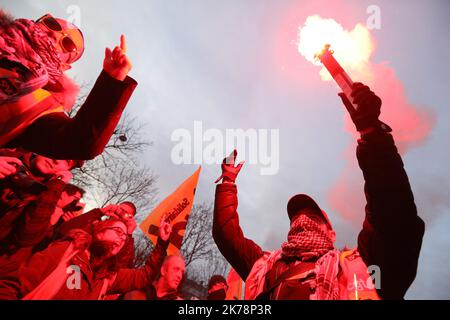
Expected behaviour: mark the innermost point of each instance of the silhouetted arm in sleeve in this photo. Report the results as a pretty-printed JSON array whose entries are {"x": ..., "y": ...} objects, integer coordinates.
[
  {"x": 392, "y": 232},
  {"x": 85, "y": 136},
  {"x": 240, "y": 252}
]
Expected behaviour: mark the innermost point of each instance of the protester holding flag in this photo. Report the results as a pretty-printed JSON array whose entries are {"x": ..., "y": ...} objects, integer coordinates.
[
  {"x": 93, "y": 259},
  {"x": 308, "y": 266}
]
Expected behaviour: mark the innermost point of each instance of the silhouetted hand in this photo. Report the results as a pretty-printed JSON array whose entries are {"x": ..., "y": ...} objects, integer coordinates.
[
  {"x": 229, "y": 171},
  {"x": 365, "y": 116}
]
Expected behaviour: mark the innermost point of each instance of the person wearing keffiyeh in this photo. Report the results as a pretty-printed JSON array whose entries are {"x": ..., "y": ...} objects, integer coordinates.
[{"x": 308, "y": 266}]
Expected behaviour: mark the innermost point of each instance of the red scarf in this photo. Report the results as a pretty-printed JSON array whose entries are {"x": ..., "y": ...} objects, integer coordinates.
[{"x": 25, "y": 42}]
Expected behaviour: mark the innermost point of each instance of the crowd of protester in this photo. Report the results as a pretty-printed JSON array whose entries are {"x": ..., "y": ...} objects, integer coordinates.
[{"x": 50, "y": 248}]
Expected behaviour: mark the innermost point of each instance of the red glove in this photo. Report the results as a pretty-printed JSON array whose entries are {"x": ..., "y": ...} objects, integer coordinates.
[{"x": 229, "y": 171}]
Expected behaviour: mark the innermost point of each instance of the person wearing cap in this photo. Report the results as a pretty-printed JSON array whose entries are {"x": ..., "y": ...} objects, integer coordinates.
[
  {"x": 35, "y": 93},
  {"x": 92, "y": 258},
  {"x": 217, "y": 288},
  {"x": 308, "y": 266}
]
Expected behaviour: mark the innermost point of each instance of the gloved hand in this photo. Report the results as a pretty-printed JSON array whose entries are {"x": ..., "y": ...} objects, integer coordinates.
[
  {"x": 229, "y": 171},
  {"x": 365, "y": 116}
]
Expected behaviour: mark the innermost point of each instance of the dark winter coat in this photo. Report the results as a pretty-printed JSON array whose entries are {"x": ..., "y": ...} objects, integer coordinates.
[{"x": 83, "y": 137}]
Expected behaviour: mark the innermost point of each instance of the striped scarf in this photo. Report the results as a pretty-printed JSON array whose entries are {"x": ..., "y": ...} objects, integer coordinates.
[
  {"x": 306, "y": 240},
  {"x": 326, "y": 270}
]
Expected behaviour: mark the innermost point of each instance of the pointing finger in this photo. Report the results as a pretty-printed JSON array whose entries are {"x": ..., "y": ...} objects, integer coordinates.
[{"x": 123, "y": 43}]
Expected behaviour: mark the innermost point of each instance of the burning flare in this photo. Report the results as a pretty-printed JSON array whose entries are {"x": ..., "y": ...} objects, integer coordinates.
[
  {"x": 352, "y": 48},
  {"x": 411, "y": 124}
]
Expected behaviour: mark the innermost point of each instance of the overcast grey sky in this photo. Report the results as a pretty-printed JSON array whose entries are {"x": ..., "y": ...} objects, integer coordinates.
[{"x": 233, "y": 64}]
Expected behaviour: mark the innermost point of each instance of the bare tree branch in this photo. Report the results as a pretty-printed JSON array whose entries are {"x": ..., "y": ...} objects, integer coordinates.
[{"x": 117, "y": 175}]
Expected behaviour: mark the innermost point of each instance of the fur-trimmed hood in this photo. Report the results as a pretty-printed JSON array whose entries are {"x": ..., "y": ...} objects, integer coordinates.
[{"x": 67, "y": 93}]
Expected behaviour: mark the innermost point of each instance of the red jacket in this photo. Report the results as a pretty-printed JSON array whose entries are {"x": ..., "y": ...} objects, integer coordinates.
[
  {"x": 25, "y": 219},
  {"x": 21, "y": 228},
  {"x": 41, "y": 264},
  {"x": 25, "y": 212},
  {"x": 392, "y": 232},
  {"x": 83, "y": 137}
]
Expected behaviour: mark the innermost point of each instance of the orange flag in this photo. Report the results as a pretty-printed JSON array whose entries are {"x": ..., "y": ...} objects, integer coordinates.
[
  {"x": 234, "y": 282},
  {"x": 176, "y": 209}
]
